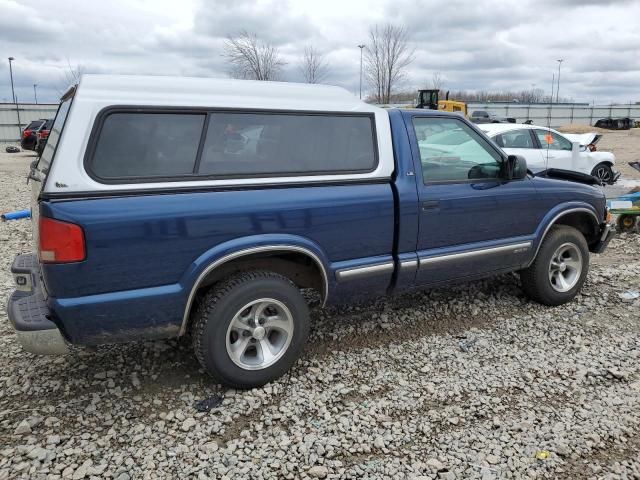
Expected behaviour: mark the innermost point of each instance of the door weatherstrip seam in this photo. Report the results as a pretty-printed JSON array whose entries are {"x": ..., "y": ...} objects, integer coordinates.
[
  {"x": 347, "y": 274},
  {"x": 425, "y": 261},
  {"x": 242, "y": 253}
]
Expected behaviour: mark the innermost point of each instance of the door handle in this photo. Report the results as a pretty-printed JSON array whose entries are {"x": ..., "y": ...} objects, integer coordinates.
[{"x": 430, "y": 205}]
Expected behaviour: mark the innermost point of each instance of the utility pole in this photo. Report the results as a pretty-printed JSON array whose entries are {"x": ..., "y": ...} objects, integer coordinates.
[
  {"x": 553, "y": 85},
  {"x": 15, "y": 101},
  {"x": 558, "y": 89},
  {"x": 361, "y": 47},
  {"x": 13, "y": 93},
  {"x": 35, "y": 93}
]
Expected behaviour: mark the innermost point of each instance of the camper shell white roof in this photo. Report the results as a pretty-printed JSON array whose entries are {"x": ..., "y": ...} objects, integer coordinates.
[
  {"x": 94, "y": 93},
  {"x": 218, "y": 93}
]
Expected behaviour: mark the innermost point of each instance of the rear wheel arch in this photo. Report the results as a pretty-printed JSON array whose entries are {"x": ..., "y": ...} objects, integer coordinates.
[{"x": 303, "y": 267}]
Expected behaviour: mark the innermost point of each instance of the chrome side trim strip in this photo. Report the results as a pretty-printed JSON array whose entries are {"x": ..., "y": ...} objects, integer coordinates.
[
  {"x": 553, "y": 221},
  {"x": 409, "y": 265},
  {"x": 347, "y": 274},
  {"x": 249, "y": 251},
  {"x": 513, "y": 248}
]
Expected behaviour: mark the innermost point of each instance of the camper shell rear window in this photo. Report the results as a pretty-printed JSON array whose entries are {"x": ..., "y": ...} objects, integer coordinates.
[{"x": 130, "y": 145}]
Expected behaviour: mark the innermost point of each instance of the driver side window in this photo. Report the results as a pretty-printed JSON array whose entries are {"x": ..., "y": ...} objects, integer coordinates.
[{"x": 451, "y": 151}]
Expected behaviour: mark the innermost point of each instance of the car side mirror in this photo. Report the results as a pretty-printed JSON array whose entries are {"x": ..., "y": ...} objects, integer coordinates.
[{"x": 516, "y": 167}]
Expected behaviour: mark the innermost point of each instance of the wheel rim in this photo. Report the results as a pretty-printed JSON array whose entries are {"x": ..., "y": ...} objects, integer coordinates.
[
  {"x": 565, "y": 267},
  {"x": 603, "y": 174},
  {"x": 259, "y": 334}
]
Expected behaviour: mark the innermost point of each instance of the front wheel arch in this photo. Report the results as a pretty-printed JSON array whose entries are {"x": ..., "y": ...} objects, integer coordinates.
[{"x": 582, "y": 219}]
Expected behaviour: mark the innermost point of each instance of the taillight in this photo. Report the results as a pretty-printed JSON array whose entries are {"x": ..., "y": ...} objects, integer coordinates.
[
  {"x": 26, "y": 133},
  {"x": 60, "y": 242}
]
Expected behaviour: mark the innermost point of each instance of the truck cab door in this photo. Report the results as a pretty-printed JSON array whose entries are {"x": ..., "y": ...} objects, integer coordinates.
[{"x": 473, "y": 221}]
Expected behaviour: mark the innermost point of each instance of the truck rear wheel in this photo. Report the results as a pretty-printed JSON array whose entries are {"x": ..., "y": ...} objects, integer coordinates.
[
  {"x": 559, "y": 269},
  {"x": 250, "y": 328}
]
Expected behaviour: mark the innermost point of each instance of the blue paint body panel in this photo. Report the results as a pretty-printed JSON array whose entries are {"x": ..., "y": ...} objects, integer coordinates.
[
  {"x": 145, "y": 252},
  {"x": 136, "y": 243}
]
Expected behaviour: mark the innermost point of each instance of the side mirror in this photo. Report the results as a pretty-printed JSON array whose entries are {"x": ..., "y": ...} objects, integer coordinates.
[{"x": 516, "y": 167}]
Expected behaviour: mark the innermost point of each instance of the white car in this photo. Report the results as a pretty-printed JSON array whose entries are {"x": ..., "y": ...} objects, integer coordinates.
[{"x": 545, "y": 148}]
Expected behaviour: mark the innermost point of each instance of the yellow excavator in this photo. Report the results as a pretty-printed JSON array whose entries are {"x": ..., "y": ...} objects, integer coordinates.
[{"x": 430, "y": 99}]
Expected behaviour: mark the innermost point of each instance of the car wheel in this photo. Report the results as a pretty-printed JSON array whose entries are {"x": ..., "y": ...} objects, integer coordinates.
[
  {"x": 627, "y": 223},
  {"x": 604, "y": 172},
  {"x": 250, "y": 328},
  {"x": 559, "y": 269}
]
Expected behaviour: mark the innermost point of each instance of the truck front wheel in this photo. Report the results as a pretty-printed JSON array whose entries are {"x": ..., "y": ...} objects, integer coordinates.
[
  {"x": 560, "y": 268},
  {"x": 250, "y": 328}
]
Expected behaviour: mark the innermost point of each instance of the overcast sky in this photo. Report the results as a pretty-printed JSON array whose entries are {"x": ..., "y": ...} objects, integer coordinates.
[{"x": 476, "y": 45}]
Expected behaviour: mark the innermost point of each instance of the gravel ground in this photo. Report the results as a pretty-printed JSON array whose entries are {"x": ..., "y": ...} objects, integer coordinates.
[{"x": 466, "y": 382}]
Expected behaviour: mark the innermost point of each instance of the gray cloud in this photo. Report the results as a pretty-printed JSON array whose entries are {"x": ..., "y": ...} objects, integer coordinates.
[{"x": 493, "y": 44}]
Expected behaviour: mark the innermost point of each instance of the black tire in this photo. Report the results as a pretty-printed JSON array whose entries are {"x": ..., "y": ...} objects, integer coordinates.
[
  {"x": 627, "y": 223},
  {"x": 604, "y": 172},
  {"x": 224, "y": 302},
  {"x": 536, "y": 281}
]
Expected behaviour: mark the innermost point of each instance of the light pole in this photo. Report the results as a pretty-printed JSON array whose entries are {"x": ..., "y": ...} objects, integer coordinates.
[
  {"x": 13, "y": 93},
  {"x": 35, "y": 93},
  {"x": 361, "y": 47},
  {"x": 558, "y": 89}
]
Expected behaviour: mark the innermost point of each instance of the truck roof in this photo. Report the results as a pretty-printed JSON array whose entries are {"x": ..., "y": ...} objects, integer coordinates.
[{"x": 218, "y": 93}]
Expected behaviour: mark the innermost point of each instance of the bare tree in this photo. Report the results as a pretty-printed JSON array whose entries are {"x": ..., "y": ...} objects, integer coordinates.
[
  {"x": 314, "y": 68},
  {"x": 437, "y": 81},
  {"x": 252, "y": 59},
  {"x": 387, "y": 56}
]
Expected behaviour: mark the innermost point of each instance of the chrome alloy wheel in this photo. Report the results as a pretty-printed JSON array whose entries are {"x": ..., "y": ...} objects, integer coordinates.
[
  {"x": 259, "y": 334},
  {"x": 603, "y": 173},
  {"x": 565, "y": 267}
]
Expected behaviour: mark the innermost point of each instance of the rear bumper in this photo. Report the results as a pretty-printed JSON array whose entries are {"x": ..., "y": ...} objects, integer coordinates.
[
  {"x": 28, "y": 312},
  {"x": 607, "y": 232}
]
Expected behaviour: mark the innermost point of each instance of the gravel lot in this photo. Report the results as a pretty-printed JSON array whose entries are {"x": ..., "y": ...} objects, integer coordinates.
[{"x": 465, "y": 382}]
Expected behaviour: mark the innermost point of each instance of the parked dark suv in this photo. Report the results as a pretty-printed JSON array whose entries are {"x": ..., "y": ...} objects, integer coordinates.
[
  {"x": 29, "y": 140},
  {"x": 482, "y": 116},
  {"x": 42, "y": 135}
]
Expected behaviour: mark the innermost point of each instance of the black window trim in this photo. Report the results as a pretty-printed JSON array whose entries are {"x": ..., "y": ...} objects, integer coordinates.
[
  {"x": 536, "y": 141},
  {"x": 96, "y": 130}
]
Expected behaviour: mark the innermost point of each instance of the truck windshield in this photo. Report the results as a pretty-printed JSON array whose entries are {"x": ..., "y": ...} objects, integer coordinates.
[{"x": 54, "y": 136}]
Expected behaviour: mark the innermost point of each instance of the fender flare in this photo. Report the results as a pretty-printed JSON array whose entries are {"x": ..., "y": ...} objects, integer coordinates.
[
  {"x": 585, "y": 208},
  {"x": 216, "y": 257}
]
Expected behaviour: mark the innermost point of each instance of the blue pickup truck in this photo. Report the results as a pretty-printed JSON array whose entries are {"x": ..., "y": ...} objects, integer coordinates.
[{"x": 165, "y": 207}]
